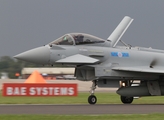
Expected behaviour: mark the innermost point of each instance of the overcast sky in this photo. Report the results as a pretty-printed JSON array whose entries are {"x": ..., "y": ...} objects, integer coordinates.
[{"x": 26, "y": 24}]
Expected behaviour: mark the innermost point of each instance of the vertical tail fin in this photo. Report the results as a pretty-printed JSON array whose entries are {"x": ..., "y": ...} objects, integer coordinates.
[{"x": 119, "y": 31}]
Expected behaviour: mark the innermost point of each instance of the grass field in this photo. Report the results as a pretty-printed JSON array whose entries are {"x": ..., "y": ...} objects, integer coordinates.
[
  {"x": 83, "y": 117},
  {"x": 103, "y": 98}
]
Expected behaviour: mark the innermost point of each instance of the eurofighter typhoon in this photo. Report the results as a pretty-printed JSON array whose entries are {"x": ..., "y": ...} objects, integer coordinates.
[{"x": 106, "y": 64}]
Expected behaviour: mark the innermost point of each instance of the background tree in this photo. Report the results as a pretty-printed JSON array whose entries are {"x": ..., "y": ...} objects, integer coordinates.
[{"x": 12, "y": 66}]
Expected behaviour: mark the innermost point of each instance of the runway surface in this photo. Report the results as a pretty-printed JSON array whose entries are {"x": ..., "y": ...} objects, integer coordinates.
[{"x": 81, "y": 109}]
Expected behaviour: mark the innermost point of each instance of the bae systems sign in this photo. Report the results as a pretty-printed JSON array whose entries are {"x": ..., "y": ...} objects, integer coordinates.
[{"x": 21, "y": 89}]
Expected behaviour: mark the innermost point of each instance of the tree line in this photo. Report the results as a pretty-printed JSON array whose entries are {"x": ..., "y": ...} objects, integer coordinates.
[{"x": 13, "y": 66}]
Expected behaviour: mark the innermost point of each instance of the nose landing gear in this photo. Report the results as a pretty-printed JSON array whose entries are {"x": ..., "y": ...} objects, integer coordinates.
[{"x": 92, "y": 99}]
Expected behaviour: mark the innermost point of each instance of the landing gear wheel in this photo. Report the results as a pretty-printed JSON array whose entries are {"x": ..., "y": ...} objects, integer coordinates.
[
  {"x": 126, "y": 100},
  {"x": 92, "y": 99}
]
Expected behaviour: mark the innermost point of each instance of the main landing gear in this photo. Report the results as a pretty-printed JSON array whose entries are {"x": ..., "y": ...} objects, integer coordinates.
[
  {"x": 92, "y": 98},
  {"x": 126, "y": 100}
]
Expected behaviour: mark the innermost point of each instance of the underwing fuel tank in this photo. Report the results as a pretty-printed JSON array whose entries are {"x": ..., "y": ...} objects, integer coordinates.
[{"x": 133, "y": 91}]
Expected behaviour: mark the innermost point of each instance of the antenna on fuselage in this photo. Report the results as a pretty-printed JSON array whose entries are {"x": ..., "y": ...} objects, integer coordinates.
[{"x": 116, "y": 35}]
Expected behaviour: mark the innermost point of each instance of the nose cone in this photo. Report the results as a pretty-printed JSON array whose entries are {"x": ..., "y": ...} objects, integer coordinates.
[{"x": 40, "y": 55}]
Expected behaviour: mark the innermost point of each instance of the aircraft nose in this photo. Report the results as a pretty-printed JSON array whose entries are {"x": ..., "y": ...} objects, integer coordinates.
[{"x": 39, "y": 55}]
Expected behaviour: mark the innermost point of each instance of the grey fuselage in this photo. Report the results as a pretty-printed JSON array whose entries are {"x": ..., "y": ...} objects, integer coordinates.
[
  {"x": 95, "y": 58},
  {"x": 103, "y": 69}
]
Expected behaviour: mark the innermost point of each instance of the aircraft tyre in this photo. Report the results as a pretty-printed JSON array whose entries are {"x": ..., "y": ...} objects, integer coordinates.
[
  {"x": 126, "y": 100},
  {"x": 92, "y": 99}
]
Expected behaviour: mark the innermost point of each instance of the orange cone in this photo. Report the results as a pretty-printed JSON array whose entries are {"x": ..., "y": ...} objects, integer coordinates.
[{"x": 35, "y": 77}]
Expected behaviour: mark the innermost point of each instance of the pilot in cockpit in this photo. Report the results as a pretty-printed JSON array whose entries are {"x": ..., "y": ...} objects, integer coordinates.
[{"x": 78, "y": 39}]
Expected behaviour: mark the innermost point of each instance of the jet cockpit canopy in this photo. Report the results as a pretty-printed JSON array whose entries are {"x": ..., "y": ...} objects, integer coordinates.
[{"x": 77, "y": 39}]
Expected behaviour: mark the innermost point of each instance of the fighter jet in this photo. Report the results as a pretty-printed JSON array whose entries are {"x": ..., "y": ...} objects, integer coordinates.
[{"x": 105, "y": 63}]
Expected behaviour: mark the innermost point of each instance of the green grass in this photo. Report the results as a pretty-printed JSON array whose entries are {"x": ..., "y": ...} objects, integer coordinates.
[
  {"x": 83, "y": 117},
  {"x": 103, "y": 98}
]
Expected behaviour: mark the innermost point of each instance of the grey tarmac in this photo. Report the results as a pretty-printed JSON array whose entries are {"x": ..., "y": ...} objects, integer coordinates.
[{"x": 83, "y": 109}]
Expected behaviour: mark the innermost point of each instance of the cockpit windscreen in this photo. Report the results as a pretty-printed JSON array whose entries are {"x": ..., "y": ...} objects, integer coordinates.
[
  {"x": 77, "y": 39},
  {"x": 64, "y": 40}
]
